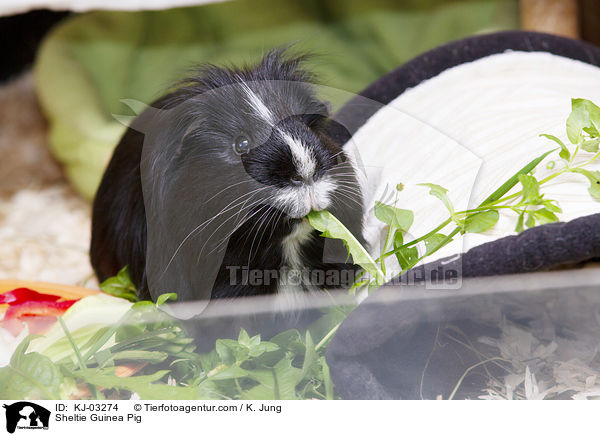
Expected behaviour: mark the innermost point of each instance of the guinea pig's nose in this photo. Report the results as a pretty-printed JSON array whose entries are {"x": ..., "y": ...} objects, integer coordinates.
[{"x": 297, "y": 179}]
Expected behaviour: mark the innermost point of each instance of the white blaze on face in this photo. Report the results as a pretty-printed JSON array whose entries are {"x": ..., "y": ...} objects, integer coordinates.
[
  {"x": 304, "y": 160},
  {"x": 296, "y": 201},
  {"x": 260, "y": 109}
]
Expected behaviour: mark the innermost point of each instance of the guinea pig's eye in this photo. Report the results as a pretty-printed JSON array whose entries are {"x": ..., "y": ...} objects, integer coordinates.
[{"x": 241, "y": 145}]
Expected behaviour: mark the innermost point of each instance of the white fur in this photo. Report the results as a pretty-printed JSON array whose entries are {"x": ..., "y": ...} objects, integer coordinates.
[
  {"x": 303, "y": 159},
  {"x": 299, "y": 201},
  {"x": 291, "y": 244},
  {"x": 259, "y": 107},
  {"x": 289, "y": 293}
]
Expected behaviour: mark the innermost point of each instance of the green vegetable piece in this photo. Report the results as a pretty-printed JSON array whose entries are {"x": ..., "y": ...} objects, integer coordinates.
[
  {"x": 550, "y": 165},
  {"x": 163, "y": 298},
  {"x": 441, "y": 193},
  {"x": 147, "y": 387},
  {"x": 594, "y": 178},
  {"x": 30, "y": 375},
  {"x": 394, "y": 217},
  {"x": 531, "y": 189},
  {"x": 243, "y": 338},
  {"x": 545, "y": 216},
  {"x": 564, "y": 151},
  {"x": 591, "y": 145},
  {"x": 530, "y": 221},
  {"x": 329, "y": 394},
  {"x": 510, "y": 183},
  {"x": 481, "y": 221},
  {"x": 120, "y": 286},
  {"x": 432, "y": 243},
  {"x": 552, "y": 206},
  {"x": 407, "y": 256},
  {"x": 520, "y": 222},
  {"x": 331, "y": 227},
  {"x": 310, "y": 357},
  {"x": 584, "y": 115}
]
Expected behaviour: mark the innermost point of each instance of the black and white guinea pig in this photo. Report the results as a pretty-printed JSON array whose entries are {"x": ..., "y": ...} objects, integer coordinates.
[{"x": 212, "y": 182}]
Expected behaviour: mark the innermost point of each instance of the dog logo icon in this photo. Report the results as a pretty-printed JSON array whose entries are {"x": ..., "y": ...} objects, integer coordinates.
[{"x": 26, "y": 415}]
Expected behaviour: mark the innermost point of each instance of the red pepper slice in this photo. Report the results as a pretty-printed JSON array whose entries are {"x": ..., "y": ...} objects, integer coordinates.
[
  {"x": 21, "y": 295},
  {"x": 37, "y": 314}
]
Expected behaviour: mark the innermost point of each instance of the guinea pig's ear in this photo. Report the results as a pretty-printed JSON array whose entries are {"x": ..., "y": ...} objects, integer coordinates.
[
  {"x": 194, "y": 202},
  {"x": 317, "y": 113}
]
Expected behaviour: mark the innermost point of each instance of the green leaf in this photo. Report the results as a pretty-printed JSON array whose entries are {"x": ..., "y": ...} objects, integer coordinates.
[
  {"x": 594, "y": 178},
  {"x": 510, "y": 183},
  {"x": 243, "y": 338},
  {"x": 584, "y": 115},
  {"x": 163, "y": 298},
  {"x": 407, "y": 256},
  {"x": 441, "y": 193},
  {"x": 228, "y": 373},
  {"x": 531, "y": 189},
  {"x": 394, "y": 217},
  {"x": 520, "y": 222},
  {"x": 432, "y": 243},
  {"x": 591, "y": 145},
  {"x": 564, "y": 151},
  {"x": 329, "y": 394},
  {"x": 30, "y": 375},
  {"x": 530, "y": 221},
  {"x": 225, "y": 353},
  {"x": 147, "y": 387},
  {"x": 481, "y": 221},
  {"x": 544, "y": 216},
  {"x": 331, "y": 227},
  {"x": 310, "y": 357},
  {"x": 552, "y": 206},
  {"x": 322, "y": 327},
  {"x": 141, "y": 355},
  {"x": 120, "y": 286}
]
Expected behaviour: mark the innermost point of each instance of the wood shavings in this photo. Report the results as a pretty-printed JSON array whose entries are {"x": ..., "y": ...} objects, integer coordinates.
[{"x": 44, "y": 236}]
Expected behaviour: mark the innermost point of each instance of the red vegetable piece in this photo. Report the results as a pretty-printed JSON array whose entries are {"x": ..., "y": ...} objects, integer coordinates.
[
  {"x": 37, "y": 314},
  {"x": 20, "y": 295}
]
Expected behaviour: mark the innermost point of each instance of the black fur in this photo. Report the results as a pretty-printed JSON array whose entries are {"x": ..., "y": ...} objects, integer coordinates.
[{"x": 119, "y": 226}]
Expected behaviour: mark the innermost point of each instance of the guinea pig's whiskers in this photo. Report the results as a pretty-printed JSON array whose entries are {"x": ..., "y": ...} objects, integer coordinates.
[
  {"x": 348, "y": 186},
  {"x": 236, "y": 227},
  {"x": 210, "y": 220},
  {"x": 349, "y": 197},
  {"x": 279, "y": 216},
  {"x": 229, "y": 187},
  {"x": 239, "y": 224},
  {"x": 262, "y": 223}
]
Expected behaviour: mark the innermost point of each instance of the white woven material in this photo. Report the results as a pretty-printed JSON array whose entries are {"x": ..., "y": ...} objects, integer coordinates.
[
  {"x": 11, "y": 7},
  {"x": 469, "y": 129}
]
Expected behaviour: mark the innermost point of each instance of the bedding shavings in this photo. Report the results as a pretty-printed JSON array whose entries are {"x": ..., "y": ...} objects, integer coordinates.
[{"x": 44, "y": 235}]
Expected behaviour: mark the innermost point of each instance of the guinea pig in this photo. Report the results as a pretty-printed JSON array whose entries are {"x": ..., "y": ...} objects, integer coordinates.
[{"x": 207, "y": 191}]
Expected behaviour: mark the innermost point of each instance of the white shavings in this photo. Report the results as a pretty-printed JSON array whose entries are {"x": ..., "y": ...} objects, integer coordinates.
[{"x": 45, "y": 236}]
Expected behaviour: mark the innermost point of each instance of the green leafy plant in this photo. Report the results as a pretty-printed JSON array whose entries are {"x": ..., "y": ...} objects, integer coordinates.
[
  {"x": 165, "y": 362},
  {"x": 532, "y": 207},
  {"x": 120, "y": 286}
]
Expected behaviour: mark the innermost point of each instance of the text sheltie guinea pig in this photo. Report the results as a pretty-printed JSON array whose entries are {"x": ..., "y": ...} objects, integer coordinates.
[{"x": 207, "y": 191}]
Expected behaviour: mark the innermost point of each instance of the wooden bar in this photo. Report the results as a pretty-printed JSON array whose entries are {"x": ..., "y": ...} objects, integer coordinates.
[{"x": 559, "y": 17}]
